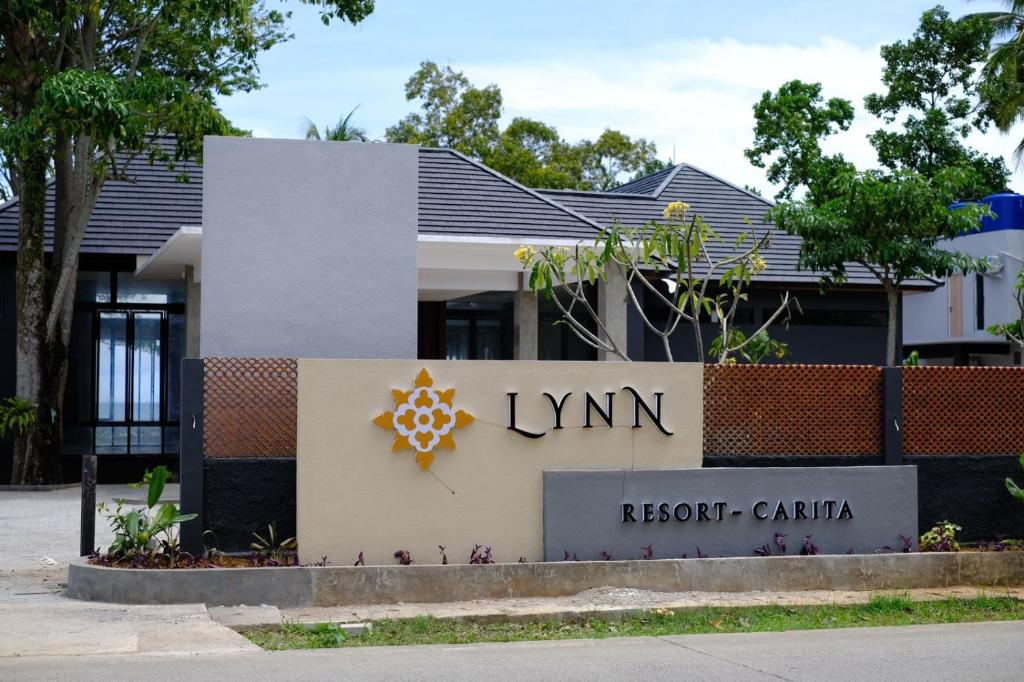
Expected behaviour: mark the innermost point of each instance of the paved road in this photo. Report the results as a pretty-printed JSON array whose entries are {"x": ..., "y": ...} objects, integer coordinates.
[{"x": 978, "y": 651}]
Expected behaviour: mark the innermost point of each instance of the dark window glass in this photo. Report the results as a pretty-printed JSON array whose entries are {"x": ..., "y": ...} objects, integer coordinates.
[
  {"x": 78, "y": 398},
  {"x": 93, "y": 287},
  {"x": 479, "y": 327},
  {"x": 834, "y": 318},
  {"x": 112, "y": 367},
  {"x": 979, "y": 300},
  {"x": 555, "y": 339},
  {"x": 147, "y": 388},
  {"x": 175, "y": 353},
  {"x": 457, "y": 333},
  {"x": 132, "y": 290}
]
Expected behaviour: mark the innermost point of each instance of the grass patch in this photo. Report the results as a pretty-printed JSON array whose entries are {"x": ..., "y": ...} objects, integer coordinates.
[{"x": 893, "y": 609}]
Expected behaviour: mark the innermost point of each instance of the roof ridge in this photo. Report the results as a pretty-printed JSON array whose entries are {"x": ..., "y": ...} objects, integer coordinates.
[
  {"x": 668, "y": 179},
  {"x": 722, "y": 180},
  {"x": 532, "y": 192},
  {"x": 597, "y": 193}
]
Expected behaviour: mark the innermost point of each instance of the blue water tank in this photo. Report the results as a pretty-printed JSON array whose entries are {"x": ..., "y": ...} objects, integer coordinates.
[{"x": 1009, "y": 210}]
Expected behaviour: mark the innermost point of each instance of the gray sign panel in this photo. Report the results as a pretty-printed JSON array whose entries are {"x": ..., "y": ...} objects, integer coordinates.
[{"x": 727, "y": 512}]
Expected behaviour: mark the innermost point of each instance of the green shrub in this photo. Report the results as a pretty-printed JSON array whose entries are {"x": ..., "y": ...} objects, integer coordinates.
[
  {"x": 1013, "y": 487},
  {"x": 941, "y": 538}
]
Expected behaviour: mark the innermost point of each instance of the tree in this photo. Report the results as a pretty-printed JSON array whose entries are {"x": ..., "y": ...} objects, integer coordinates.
[
  {"x": 889, "y": 223},
  {"x": 789, "y": 127},
  {"x": 1002, "y": 85},
  {"x": 82, "y": 86},
  {"x": 931, "y": 91},
  {"x": 1013, "y": 331},
  {"x": 674, "y": 252},
  {"x": 456, "y": 114},
  {"x": 343, "y": 131},
  {"x": 460, "y": 116}
]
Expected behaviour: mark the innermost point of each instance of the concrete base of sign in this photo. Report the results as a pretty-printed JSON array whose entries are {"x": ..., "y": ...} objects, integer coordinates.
[{"x": 339, "y": 585}]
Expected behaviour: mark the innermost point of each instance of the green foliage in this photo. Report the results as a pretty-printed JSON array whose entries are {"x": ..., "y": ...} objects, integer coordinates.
[
  {"x": 941, "y": 538},
  {"x": 891, "y": 224},
  {"x": 931, "y": 88},
  {"x": 881, "y": 610},
  {"x": 270, "y": 547},
  {"x": 913, "y": 360},
  {"x": 1014, "y": 489},
  {"x": 1002, "y": 85},
  {"x": 16, "y": 417},
  {"x": 1013, "y": 331},
  {"x": 145, "y": 531},
  {"x": 343, "y": 131},
  {"x": 670, "y": 261},
  {"x": 789, "y": 127},
  {"x": 460, "y": 116}
]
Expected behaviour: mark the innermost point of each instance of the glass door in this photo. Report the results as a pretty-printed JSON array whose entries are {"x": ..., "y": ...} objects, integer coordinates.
[{"x": 130, "y": 390}]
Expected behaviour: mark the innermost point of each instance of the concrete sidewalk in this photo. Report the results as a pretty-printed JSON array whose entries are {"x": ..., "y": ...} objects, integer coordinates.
[{"x": 970, "y": 651}]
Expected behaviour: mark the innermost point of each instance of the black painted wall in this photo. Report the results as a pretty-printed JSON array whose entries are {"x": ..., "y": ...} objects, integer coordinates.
[
  {"x": 245, "y": 495},
  {"x": 7, "y": 362},
  {"x": 813, "y": 344},
  {"x": 967, "y": 490}
]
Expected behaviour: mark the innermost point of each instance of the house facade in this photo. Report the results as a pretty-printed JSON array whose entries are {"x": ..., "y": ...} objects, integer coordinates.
[
  {"x": 947, "y": 325},
  {"x": 291, "y": 248}
]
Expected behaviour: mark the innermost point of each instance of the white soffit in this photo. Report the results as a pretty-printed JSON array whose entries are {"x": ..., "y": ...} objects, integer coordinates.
[{"x": 184, "y": 247}]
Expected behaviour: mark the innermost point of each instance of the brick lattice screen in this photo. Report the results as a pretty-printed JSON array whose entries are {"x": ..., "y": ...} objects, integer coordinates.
[
  {"x": 792, "y": 410},
  {"x": 963, "y": 410},
  {"x": 250, "y": 407}
]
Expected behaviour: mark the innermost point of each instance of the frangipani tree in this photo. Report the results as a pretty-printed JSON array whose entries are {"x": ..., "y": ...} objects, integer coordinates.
[{"x": 676, "y": 251}]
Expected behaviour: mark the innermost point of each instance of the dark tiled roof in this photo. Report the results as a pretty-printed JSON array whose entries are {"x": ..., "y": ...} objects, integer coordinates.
[
  {"x": 132, "y": 216},
  {"x": 724, "y": 206},
  {"x": 459, "y": 196},
  {"x": 649, "y": 184}
]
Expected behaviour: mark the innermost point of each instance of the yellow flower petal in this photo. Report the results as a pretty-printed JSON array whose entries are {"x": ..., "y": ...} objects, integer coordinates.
[
  {"x": 423, "y": 379},
  {"x": 446, "y": 396},
  {"x": 463, "y": 418},
  {"x": 384, "y": 420},
  {"x": 401, "y": 443},
  {"x": 399, "y": 396},
  {"x": 446, "y": 442}
]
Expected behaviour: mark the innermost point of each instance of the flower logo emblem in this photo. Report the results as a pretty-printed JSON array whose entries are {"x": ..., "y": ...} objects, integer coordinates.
[{"x": 423, "y": 419}]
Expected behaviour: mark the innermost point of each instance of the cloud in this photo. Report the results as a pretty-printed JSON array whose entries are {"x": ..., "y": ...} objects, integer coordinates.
[{"x": 694, "y": 98}]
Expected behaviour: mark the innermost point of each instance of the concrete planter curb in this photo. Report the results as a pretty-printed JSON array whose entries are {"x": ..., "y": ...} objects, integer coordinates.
[{"x": 297, "y": 587}]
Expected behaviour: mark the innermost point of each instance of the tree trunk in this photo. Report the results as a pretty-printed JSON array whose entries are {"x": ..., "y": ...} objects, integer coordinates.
[
  {"x": 892, "y": 296},
  {"x": 36, "y": 454}
]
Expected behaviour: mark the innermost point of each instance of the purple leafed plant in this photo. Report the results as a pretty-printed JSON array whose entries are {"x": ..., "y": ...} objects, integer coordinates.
[
  {"x": 850, "y": 551},
  {"x": 404, "y": 558},
  {"x": 763, "y": 550},
  {"x": 700, "y": 554},
  {"x": 908, "y": 544},
  {"x": 359, "y": 560},
  {"x": 809, "y": 548},
  {"x": 648, "y": 551},
  {"x": 568, "y": 557},
  {"x": 780, "y": 542},
  {"x": 478, "y": 557},
  {"x": 444, "y": 557},
  {"x": 522, "y": 560},
  {"x": 605, "y": 556}
]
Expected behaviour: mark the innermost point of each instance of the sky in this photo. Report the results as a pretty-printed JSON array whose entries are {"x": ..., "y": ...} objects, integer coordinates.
[{"x": 684, "y": 74}]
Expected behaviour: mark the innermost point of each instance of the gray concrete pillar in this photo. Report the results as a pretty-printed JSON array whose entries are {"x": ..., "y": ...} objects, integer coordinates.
[
  {"x": 613, "y": 309},
  {"x": 526, "y": 325},
  {"x": 193, "y": 301}
]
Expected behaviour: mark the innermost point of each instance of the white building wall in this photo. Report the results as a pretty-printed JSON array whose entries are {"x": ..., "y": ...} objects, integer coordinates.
[{"x": 927, "y": 314}]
